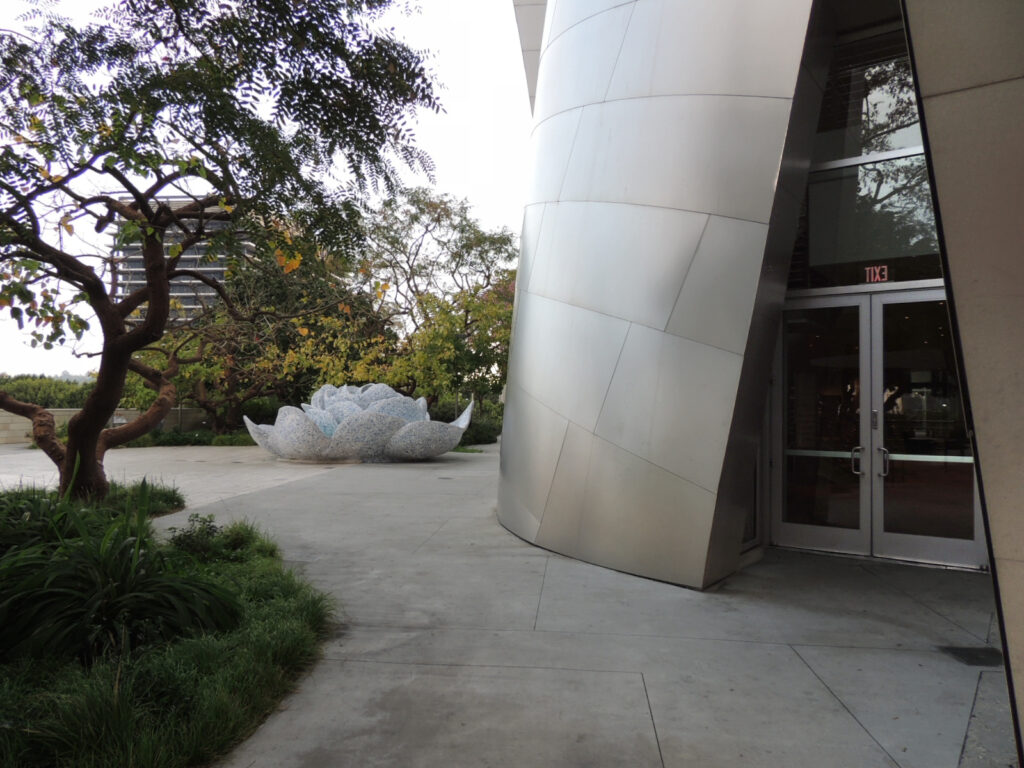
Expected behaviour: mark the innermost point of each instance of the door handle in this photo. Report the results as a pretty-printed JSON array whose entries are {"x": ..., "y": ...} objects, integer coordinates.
[
  {"x": 855, "y": 460},
  {"x": 885, "y": 462}
]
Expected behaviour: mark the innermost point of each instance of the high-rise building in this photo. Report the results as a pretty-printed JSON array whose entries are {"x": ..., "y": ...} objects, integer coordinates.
[{"x": 189, "y": 296}]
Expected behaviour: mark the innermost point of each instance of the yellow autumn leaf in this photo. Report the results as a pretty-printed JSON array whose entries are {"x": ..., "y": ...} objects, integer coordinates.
[{"x": 303, "y": 331}]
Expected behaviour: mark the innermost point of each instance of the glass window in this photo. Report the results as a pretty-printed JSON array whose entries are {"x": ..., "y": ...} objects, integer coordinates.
[
  {"x": 869, "y": 223},
  {"x": 869, "y": 104}
]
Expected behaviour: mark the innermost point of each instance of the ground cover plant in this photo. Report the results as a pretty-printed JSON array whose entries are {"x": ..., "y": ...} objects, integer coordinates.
[{"x": 119, "y": 650}]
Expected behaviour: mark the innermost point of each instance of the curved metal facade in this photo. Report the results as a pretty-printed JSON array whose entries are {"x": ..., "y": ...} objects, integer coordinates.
[{"x": 659, "y": 133}]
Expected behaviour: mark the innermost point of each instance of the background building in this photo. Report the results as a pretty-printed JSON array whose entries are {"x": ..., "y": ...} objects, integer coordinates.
[
  {"x": 741, "y": 315},
  {"x": 189, "y": 296}
]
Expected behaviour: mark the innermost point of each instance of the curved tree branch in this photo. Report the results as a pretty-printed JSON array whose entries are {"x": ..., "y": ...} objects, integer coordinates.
[{"x": 44, "y": 429}]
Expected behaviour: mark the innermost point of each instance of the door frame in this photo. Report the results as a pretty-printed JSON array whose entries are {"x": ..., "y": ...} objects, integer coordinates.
[
  {"x": 853, "y": 541},
  {"x": 870, "y": 538}
]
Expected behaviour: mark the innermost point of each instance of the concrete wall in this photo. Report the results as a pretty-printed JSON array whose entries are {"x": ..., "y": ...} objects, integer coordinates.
[
  {"x": 659, "y": 132},
  {"x": 17, "y": 429},
  {"x": 969, "y": 64}
]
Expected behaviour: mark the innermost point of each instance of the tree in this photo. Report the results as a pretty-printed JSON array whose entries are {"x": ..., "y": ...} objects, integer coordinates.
[
  {"x": 285, "y": 339},
  {"x": 422, "y": 246},
  {"x": 445, "y": 285},
  {"x": 246, "y": 109}
]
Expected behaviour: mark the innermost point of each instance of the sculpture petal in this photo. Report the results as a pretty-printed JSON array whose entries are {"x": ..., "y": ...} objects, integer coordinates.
[
  {"x": 373, "y": 392},
  {"x": 325, "y": 420},
  {"x": 322, "y": 395},
  {"x": 403, "y": 407},
  {"x": 463, "y": 421},
  {"x": 423, "y": 440},
  {"x": 364, "y": 436},
  {"x": 343, "y": 409},
  {"x": 260, "y": 433},
  {"x": 295, "y": 436}
]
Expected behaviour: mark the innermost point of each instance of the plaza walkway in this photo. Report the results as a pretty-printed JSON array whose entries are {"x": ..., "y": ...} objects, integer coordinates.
[{"x": 460, "y": 645}]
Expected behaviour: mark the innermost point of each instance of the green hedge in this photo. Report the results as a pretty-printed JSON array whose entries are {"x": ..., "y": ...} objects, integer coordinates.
[
  {"x": 484, "y": 427},
  {"x": 45, "y": 391}
]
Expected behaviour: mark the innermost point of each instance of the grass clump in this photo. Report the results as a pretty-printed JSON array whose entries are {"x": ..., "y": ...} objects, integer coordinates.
[
  {"x": 143, "y": 680},
  {"x": 160, "y": 499}
]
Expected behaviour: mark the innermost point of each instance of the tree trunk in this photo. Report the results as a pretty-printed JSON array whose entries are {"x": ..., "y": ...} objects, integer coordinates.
[
  {"x": 44, "y": 430},
  {"x": 81, "y": 473}
]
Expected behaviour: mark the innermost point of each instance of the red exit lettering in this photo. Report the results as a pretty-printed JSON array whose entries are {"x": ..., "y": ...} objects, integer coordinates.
[{"x": 878, "y": 274}]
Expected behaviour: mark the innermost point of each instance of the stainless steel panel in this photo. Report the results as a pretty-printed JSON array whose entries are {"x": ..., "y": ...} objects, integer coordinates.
[
  {"x": 714, "y": 154},
  {"x": 560, "y": 526},
  {"x": 533, "y": 221},
  {"x": 551, "y": 146},
  {"x": 717, "y": 300},
  {"x": 671, "y": 403},
  {"x": 567, "y": 13},
  {"x": 737, "y": 47},
  {"x": 671, "y": 399},
  {"x": 578, "y": 65},
  {"x": 531, "y": 442},
  {"x": 565, "y": 356},
  {"x": 639, "y": 518},
  {"x": 585, "y": 243}
]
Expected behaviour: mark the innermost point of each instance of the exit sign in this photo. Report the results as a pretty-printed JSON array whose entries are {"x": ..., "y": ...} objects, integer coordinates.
[{"x": 879, "y": 274}]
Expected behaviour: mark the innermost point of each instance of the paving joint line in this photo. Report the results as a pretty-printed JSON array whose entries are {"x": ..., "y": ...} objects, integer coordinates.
[
  {"x": 654, "y": 725},
  {"x": 844, "y": 705}
]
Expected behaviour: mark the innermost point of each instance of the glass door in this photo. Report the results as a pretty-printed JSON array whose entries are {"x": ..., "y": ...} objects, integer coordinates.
[
  {"x": 873, "y": 456},
  {"x": 923, "y": 494},
  {"x": 823, "y": 501}
]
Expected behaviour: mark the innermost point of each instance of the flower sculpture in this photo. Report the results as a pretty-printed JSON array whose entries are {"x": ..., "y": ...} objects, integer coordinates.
[{"x": 368, "y": 423}]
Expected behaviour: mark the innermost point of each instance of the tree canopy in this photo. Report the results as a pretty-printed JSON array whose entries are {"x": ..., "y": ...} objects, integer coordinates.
[{"x": 249, "y": 128}]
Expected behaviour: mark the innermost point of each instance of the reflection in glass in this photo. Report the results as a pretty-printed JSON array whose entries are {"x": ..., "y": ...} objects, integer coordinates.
[
  {"x": 869, "y": 104},
  {"x": 929, "y": 490},
  {"x": 864, "y": 217},
  {"x": 822, "y": 416}
]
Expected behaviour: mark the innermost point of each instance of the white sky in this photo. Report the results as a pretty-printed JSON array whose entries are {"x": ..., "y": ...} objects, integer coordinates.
[{"x": 478, "y": 145}]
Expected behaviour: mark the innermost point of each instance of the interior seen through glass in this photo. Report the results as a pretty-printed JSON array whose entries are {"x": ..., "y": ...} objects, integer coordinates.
[
  {"x": 822, "y": 352},
  {"x": 929, "y": 487}
]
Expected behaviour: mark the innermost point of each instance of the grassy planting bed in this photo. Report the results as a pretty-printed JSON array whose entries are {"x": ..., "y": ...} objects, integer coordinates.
[{"x": 117, "y": 650}]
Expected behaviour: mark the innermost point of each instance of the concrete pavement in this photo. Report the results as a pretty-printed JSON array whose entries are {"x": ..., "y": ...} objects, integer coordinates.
[{"x": 460, "y": 645}]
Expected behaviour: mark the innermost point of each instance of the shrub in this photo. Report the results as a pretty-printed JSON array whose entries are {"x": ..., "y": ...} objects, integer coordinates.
[
  {"x": 206, "y": 541},
  {"x": 172, "y": 437},
  {"x": 239, "y": 438},
  {"x": 484, "y": 427},
  {"x": 159, "y": 499},
  {"x": 91, "y": 595},
  {"x": 262, "y": 410},
  {"x": 31, "y": 517}
]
